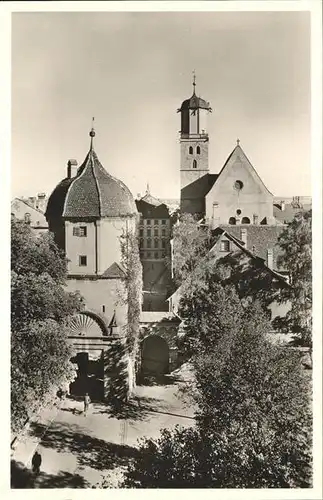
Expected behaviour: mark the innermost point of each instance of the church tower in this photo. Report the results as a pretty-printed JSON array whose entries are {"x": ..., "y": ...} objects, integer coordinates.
[{"x": 194, "y": 139}]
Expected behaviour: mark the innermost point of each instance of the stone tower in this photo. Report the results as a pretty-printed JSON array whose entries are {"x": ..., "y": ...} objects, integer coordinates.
[{"x": 194, "y": 139}]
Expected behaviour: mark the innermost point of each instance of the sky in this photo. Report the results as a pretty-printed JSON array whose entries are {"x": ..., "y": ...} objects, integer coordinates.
[{"x": 132, "y": 70}]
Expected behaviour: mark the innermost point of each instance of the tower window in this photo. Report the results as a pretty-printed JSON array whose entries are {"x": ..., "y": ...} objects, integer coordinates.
[
  {"x": 103, "y": 309},
  {"x": 232, "y": 221},
  {"x": 245, "y": 220},
  {"x": 82, "y": 260},
  {"x": 238, "y": 211},
  {"x": 190, "y": 150},
  {"x": 194, "y": 164},
  {"x": 198, "y": 150}
]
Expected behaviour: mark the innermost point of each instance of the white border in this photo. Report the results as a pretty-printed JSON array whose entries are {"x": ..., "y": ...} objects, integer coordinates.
[{"x": 315, "y": 6}]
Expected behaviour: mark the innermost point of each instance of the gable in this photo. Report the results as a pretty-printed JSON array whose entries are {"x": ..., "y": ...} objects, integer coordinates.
[
  {"x": 238, "y": 169},
  {"x": 19, "y": 208}
]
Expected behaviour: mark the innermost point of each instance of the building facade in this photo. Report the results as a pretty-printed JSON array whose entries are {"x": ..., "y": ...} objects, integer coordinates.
[{"x": 89, "y": 212}]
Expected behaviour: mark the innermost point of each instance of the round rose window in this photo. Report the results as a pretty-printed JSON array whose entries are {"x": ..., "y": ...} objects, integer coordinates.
[{"x": 238, "y": 185}]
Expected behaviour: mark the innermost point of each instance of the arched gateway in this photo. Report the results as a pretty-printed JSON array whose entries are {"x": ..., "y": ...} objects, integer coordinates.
[{"x": 154, "y": 355}]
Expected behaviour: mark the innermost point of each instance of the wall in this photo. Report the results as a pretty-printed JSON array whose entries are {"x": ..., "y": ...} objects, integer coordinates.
[
  {"x": 252, "y": 199},
  {"x": 188, "y": 174},
  {"x": 101, "y": 292}
]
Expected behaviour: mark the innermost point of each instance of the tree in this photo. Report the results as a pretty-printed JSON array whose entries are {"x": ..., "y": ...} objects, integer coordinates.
[
  {"x": 190, "y": 244},
  {"x": 40, "y": 353},
  {"x": 296, "y": 246},
  {"x": 253, "y": 419}
]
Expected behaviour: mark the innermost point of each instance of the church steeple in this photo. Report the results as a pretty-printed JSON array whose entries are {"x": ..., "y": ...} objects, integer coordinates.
[{"x": 194, "y": 138}]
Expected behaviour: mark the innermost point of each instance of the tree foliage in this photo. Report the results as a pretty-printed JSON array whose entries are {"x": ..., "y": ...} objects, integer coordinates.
[
  {"x": 253, "y": 423},
  {"x": 190, "y": 244},
  {"x": 131, "y": 264},
  {"x": 296, "y": 245},
  {"x": 40, "y": 352}
]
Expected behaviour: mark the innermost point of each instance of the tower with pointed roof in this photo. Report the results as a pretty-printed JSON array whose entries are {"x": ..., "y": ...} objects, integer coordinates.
[
  {"x": 194, "y": 139},
  {"x": 88, "y": 213}
]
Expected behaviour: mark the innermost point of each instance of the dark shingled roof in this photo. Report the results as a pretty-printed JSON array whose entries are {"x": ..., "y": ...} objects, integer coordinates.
[
  {"x": 114, "y": 271},
  {"x": 289, "y": 212},
  {"x": 199, "y": 188},
  {"x": 91, "y": 193},
  {"x": 259, "y": 239},
  {"x": 195, "y": 102}
]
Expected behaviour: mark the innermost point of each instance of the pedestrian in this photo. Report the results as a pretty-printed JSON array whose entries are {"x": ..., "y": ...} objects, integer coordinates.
[
  {"x": 87, "y": 402},
  {"x": 36, "y": 462}
]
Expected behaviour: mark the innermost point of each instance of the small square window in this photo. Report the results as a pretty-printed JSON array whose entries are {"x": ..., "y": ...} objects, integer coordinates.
[
  {"x": 148, "y": 222},
  {"x": 225, "y": 246},
  {"x": 83, "y": 231},
  {"x": 164, "y": 221},
  {"x": 156, "y": 222},
  {"x": 82, "y": 260}
]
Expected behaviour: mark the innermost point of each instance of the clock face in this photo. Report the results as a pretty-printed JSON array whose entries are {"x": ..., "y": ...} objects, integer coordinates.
[{"x": 238, "y": 185}]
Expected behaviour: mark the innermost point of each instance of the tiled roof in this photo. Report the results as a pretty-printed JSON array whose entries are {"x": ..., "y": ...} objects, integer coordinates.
[
  {"x": 199, "y": 188},
  {"x": 114, "y": 271},
  {"x": 91, "y": 193},
  {"x": 259, "y": 239},
  {"x": 148, "y": 198},
  {"x": 289, "y": 212}
]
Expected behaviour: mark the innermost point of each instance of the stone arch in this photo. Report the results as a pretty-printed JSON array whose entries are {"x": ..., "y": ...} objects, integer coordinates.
[{"x": 154, "y": 355}]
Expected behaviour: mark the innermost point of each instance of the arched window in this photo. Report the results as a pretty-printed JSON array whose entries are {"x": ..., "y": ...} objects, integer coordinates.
[
  {"x": 194, "y": 164},
  {"x": 156, "y": 244},
  {"x": 232, "y": 221},
  {"x": 198, "y": 150},
  {"x": 190, "y": 150},
  {"x": 245, "y": 220},
  {"x": 27, "y": 218}
]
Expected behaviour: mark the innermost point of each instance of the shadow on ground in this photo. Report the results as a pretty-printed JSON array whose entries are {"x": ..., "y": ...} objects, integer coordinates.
[
  {"x": 89, "y": 451},
  {"x": 159, "y": 379},
  {"x": 138, "y": 408},
  {"x": 23, "y": 478}
]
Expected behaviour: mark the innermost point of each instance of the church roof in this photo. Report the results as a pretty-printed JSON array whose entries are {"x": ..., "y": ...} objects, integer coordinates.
[
  {"x": 195, "y": 102},
  {"x": 114, "y": 271},
  {"x": 91, "y": 193}
]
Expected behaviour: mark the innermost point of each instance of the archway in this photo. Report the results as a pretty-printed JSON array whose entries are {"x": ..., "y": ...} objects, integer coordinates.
[
  {"x": 85, "y": 328},
  {"x": 245, "y": 220},
  {"x": 232, "y": 221},
  {"x": 154, "y": 355}
]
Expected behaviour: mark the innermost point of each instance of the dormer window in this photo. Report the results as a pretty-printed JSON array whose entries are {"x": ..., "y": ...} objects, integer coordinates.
[{"x": 194, "y": 164}]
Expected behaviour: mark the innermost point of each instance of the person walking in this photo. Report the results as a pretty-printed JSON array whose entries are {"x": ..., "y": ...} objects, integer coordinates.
[
  {"x": 36, "y": 462},
  {"x": 87, "y": 402}
]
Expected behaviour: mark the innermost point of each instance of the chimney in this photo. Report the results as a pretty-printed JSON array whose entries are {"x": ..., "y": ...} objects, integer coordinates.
[
  {"x": 243, "y": 236},
  {"x": 270, "y": 258},
  {"x": 282, "y": 205},
  {"x": 71, "y": 168}
]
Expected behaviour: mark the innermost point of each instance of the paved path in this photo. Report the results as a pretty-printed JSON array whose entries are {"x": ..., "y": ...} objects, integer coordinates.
[{"x": 78, "y": 451}]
